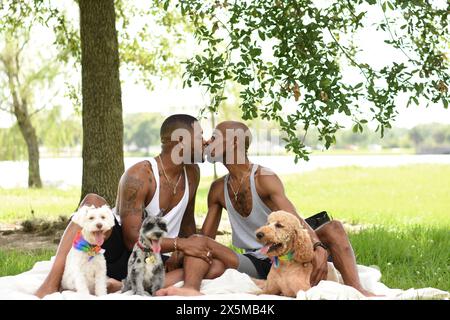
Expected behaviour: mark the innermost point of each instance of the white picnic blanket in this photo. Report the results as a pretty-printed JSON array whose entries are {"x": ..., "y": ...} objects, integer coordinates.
[{"x": 231, "y": 285}]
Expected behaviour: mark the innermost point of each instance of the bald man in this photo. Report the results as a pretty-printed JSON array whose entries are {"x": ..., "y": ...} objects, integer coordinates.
[{"x": 249, "y": 193}]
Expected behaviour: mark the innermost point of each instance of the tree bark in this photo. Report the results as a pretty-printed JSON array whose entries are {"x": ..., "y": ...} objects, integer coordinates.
[
  {"x": 102, "y": 106},
  {"x": 29, "y": 134}
]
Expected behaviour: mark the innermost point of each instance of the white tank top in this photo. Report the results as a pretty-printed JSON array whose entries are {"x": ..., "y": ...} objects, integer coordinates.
[
  {"x": 243, "y": 228},
  {"x": 174, "y": 217}
]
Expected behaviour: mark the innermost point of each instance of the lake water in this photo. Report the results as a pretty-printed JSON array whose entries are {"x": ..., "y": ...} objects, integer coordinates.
[{"x": 66, "y": 172}]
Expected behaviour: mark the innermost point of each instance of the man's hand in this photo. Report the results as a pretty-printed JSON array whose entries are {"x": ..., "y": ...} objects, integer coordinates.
[
  {"x": 196, "y": 246},
  {"x": 175, "y": 261},
  {"x": 320, "y": 266}
]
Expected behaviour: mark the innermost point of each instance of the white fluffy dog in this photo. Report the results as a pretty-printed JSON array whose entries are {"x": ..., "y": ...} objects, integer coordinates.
[{"x": 85, "y": 269}]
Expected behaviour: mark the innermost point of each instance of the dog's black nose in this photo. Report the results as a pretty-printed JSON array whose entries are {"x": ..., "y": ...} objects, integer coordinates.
[
  {"x": 259, "y": 235},
  {"x": 158, "y": 234},
  {"x": 99, "y": 225}
]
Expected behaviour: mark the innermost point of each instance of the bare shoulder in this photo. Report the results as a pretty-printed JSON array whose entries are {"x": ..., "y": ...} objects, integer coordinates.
[
  {"x": 217, "y": 185},
  {"x": 216, "y": 190},
  {"x": 193, "y": 173},
  {"x": 193, "y": 169},
  {"x": 141, "y": 167},
  {"x": 133, "y": 189},
  {"x": 137, "y": 176},
  {"x": 265, "y": 174},
  {"x": 267, "y": 181}
]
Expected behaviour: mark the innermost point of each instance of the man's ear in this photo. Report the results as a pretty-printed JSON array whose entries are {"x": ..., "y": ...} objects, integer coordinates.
[{"x": 78, "y": 217}]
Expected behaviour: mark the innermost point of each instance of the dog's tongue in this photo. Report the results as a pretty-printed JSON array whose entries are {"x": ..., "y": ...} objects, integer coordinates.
[
  {"x": 99, "y": 239},
  {"x": 265, "y": 249},
  {"x": 156, "y": 246}
]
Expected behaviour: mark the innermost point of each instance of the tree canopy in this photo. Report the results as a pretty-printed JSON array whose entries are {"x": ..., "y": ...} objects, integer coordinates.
[{"x": 301, "y": 51}]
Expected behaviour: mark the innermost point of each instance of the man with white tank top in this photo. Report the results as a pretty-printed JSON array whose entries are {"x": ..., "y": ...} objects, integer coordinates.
[
  {"x": 167, "y": 182},
  {"x": 249, "y": 193}
]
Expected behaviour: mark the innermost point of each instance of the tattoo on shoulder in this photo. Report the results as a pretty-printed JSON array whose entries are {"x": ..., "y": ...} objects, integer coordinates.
[{"x": 128, "y": 202}]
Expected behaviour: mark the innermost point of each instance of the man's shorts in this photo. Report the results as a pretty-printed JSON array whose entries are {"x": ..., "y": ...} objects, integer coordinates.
[{"x": 259, "y": 268}]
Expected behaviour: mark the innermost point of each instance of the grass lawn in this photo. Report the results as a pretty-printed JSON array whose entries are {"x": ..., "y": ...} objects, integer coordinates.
[
  {"x": 21, "y": 204},
  {"x": 14, "y": 262},
  {"x": 408, "y": 209}
]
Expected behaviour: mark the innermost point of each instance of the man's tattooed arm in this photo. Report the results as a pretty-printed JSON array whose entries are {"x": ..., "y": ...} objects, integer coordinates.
[{"x": 130, "y": 202}]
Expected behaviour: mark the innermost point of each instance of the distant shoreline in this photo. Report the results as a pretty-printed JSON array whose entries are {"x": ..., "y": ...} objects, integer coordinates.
[{"x": 67, "y": 172}]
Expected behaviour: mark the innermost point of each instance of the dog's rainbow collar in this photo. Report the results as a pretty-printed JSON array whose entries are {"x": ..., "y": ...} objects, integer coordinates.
[
  {"x": 287, "y": 257},
  {"x": 79, "y": 243}
]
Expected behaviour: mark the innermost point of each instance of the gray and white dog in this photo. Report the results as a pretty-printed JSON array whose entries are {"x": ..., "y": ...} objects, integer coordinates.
[{"x": 145, "y": 266}]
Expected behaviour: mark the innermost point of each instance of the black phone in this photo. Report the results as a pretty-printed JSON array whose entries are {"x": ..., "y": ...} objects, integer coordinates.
[{"x": 318, "y": 219}]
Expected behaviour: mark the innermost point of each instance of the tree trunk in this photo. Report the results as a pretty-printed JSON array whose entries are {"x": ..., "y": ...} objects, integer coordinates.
[
  {"x": 102, "y": 106},
  {"x": 20, "y": 111},
  {"x": 29, "y": 135}
]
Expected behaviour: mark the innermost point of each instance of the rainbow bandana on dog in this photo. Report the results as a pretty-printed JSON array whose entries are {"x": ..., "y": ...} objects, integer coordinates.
[
  {"x": 79, "y": 243},
  {"x": 286, "y": 257}
]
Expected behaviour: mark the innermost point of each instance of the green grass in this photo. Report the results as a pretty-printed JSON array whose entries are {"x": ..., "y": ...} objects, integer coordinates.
[
  {"x": 415, "y": 257},
  {"x": 398, "y": 196},
  {"x": 408, "y": 208},
  {"x": 407, "y": 195},
  {"x": 14, "y": 262},
  {"x": 18, "y": 204}
]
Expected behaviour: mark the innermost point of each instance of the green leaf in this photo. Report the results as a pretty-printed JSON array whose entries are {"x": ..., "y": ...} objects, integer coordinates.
[
  {"x": 277, "y": 106},
  {"x": 262, "y": 35}
]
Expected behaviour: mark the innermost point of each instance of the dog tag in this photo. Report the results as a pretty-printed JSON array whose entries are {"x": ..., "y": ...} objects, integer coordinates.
[{"x": 150, "y": 260}]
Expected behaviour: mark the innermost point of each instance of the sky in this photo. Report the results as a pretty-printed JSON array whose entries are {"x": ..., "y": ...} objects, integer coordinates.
[{"x": 168, "y": 98}]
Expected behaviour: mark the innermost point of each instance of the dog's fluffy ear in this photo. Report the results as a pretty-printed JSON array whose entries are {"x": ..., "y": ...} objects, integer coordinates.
[
  {"x": 78, "y": 217},
  {"x": 303, "y": 247},
  {"x": 109, "y": 216}
]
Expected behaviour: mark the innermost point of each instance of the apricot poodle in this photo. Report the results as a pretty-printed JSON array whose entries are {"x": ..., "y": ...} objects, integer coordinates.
[{"x": 290, "y": 247}]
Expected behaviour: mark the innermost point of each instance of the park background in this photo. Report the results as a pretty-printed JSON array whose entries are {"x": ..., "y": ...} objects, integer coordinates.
[{"x": 392, "y": 193}]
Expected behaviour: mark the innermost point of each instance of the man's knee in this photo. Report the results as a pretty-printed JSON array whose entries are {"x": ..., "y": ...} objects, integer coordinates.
[
  {"x": 336, "y": 226},
  {"x": 92, "y": 199},
  {"x": 216, "y": 270},
  {"x": 331, "y": 231}
]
